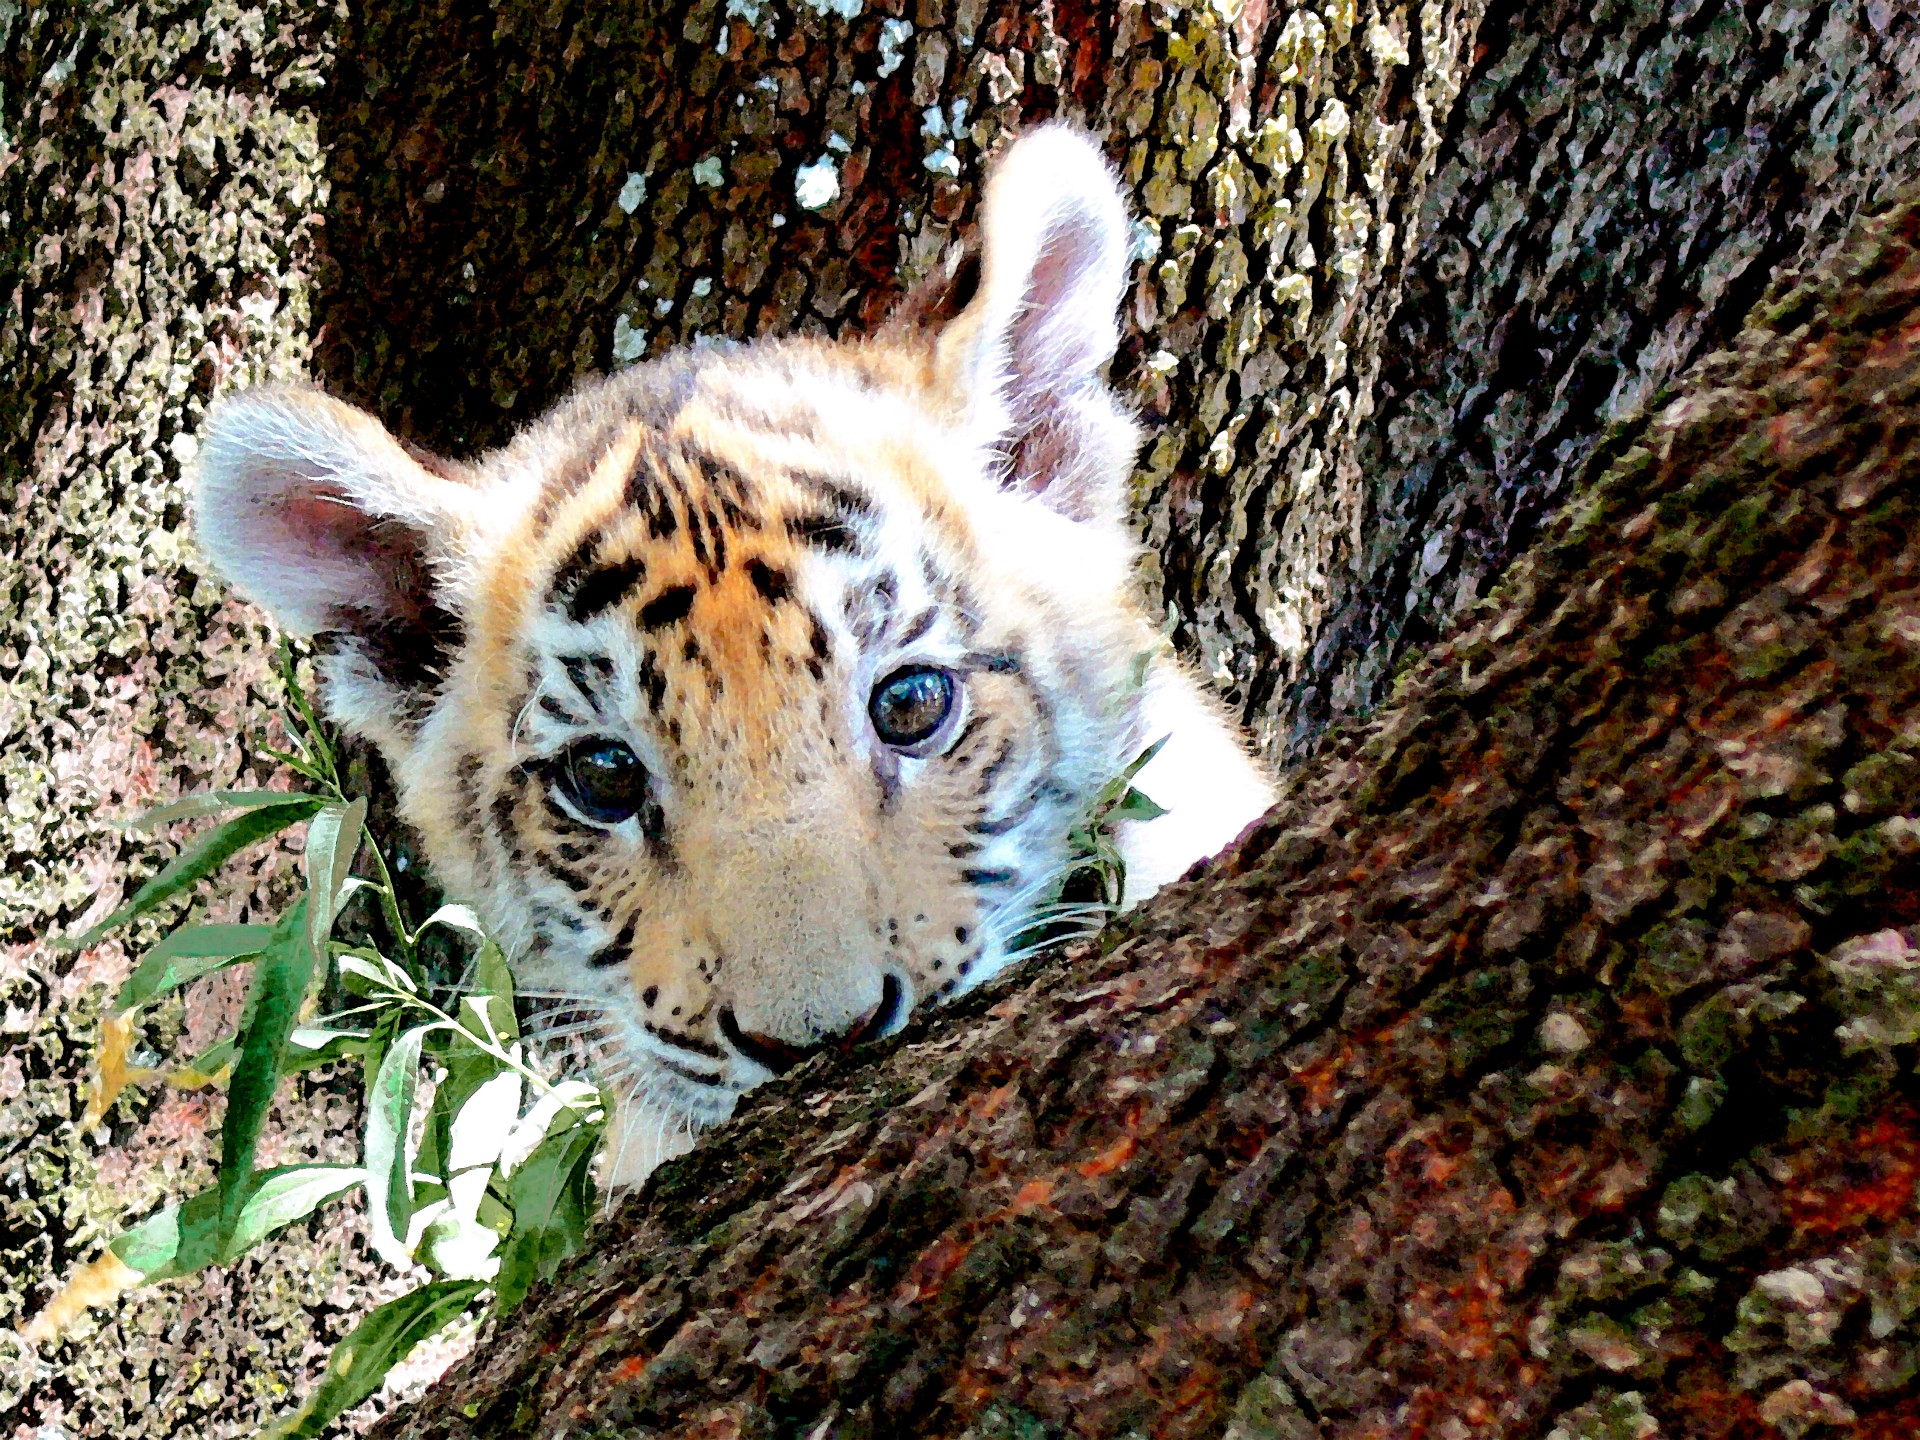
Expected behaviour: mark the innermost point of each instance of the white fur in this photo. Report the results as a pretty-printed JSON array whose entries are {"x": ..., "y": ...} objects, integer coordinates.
[
  {"x": 1203, "y": 777},
  {"x": 270, "y": 447}
]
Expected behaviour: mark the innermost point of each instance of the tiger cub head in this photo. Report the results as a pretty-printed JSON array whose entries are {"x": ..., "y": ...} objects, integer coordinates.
[{"x": 751, "y": 693}]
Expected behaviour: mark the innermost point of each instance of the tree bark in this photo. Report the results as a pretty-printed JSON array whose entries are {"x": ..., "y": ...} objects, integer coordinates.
[
  {"x": 1618, "y": 184},
  {"x": 160, "y": 192},
  {"x": 1544, "y": 1064},
  {"x": 448, "y": 212}
]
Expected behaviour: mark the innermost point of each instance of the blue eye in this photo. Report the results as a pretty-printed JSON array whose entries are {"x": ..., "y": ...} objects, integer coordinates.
[
  {"x": 911, "y": 704},
  {"x": 603, "y": 779}
]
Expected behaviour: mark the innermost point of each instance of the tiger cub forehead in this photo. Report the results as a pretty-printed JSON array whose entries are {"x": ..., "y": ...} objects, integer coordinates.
[{"x": 786, "y": 505}]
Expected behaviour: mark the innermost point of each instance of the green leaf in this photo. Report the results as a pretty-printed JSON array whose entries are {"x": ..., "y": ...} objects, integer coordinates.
[
  {"x": 186, "y": 955},
  {"x": 213, "y": 802},
  {"x": 184, "y": 1237},
  {"x": 457, "y": 1242},
  {"x": 203, "y": 857},
  {"x": 552, "y": 1197},
  {"x": 389, "y": 1166},
  {"x": 361, "y": 1361},
  {"x": 369, "y": 973},
  {"x": 1137, "y": 805},
  {"x": 332, "y": 839},
  {"x": 280, "y": 979},
  {"x": 311, "y": 1046}
]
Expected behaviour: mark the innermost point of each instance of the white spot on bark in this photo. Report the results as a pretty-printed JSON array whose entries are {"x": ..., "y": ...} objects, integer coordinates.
[
  {"x": 894, "y": 35},
  {"x": 816, "y": 186},
  {"x": 628, "y": 343}
]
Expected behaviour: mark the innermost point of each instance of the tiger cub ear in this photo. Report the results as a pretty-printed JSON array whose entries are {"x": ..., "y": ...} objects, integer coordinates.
[
  {"x": 1027, "y": 358},
  {"x": 311, "y": 509}
]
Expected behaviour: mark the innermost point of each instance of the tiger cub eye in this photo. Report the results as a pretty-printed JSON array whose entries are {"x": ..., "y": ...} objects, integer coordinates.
[
  {"x": 603, "y": 779},
  {"x": 910, "y": 704}
]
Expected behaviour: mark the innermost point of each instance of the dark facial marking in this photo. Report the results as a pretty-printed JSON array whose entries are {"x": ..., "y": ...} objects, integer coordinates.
[
  {"x": 572, "y": 570},
  {"x": 824, "y": 531},
  {"x": 994, "y": 766},
  {"x": 576, "y": 668},
  {"x": 544, "y": 913},
  {"x": 687, "y": 1042},
  {"x": 603, "y": 589},
  {"x": 612, "y": 954},
  {"x": 996, "y": 827},
  {"x": 918, "y": 626},
  {"x": 994, "y": 662},
  {"x": 837, "y": 495},
  {"x": 773, "y": 584},
  {"x": 988, "y": 877},
  {"x": 669, "y": 607},
  {"x": 652, "y": 683},
  {"x": 559, "y": 712}
]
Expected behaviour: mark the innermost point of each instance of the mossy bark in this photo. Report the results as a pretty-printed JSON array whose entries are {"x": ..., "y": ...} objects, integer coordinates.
[
  {"x": 161, "y": 183},
  {"x": 1544, "y": 1064}
]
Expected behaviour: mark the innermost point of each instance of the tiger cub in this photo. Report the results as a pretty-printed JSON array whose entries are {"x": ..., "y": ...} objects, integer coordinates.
[{"x": 752, "y": 692}]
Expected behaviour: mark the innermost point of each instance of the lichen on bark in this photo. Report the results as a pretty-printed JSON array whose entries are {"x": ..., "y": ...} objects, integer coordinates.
[{"x": 1618, "y": 185}]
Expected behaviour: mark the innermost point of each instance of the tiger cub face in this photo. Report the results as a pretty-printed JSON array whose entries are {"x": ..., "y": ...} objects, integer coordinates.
[{"x": 751, "y": 694}]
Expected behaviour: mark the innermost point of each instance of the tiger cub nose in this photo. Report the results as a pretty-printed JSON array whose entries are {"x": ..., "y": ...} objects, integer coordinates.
[{"x": 780, "y": 1056}]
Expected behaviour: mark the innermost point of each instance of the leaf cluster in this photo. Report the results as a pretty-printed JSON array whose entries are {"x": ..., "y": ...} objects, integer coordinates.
[{"x": 477, "y": 1167}]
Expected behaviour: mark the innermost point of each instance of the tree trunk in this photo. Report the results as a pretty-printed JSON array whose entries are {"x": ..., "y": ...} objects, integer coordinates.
[
  {"x": 472, "y": 205},
  {"x": 1618, "y": 185},
  {"x": 160, "y": 187},
  {"x": 1545, "y": 1063}
]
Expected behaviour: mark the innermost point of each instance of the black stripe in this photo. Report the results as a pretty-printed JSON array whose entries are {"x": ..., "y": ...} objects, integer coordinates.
[
  {"x": 989, "y": 877},
  {"x": 774, "y": 584},
  {"x": 995, "y": 765},
  {"x": 572, "y": 879},
  {"x": 614, "y": 953},
  {"x": 573, "y": 924},
  {"x": 824, "y": 532},
  {"x": 669, "y": 607},
  {"x": 691, "y": 1043},
  {"x": 604, "y": 589},
  {"x": 652, "y": 683},
  {"x": 995, "y": 662},
  {"x": 995, "y": 827},
  {"x": 573, "y": 569},
  {"x": 576, "y": 668},
  {"x": 922, "y": 623},
  {"x": 840, "y": 496},
  {"x": 559, "y": 712}
]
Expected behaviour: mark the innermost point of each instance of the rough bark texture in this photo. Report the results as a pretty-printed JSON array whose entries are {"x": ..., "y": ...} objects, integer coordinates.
[
  {"x": 1619, "y": 183},
  {"x": 1544, "y": 1064},
  {"x": 160, "y": 186},
  {"x": 521, "y": 197}
]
